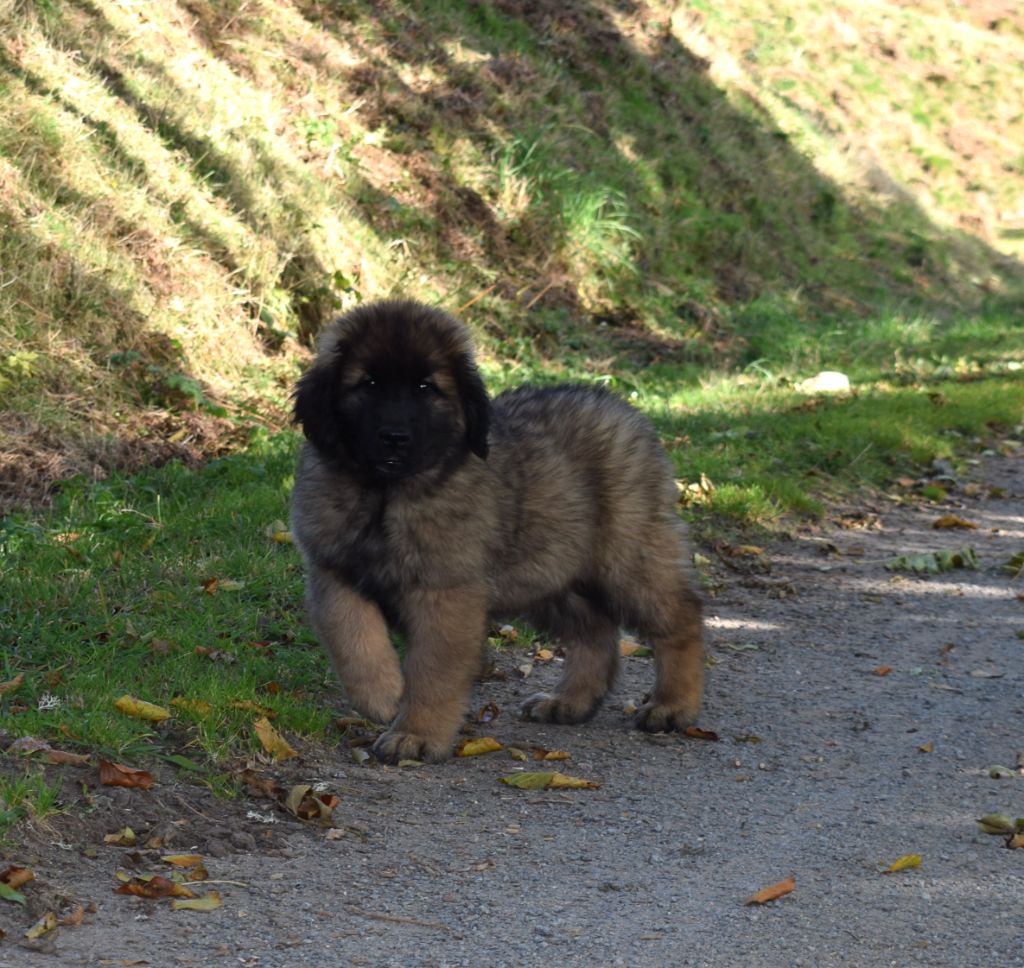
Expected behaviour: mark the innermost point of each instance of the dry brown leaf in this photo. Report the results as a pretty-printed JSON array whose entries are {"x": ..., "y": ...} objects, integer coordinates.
[
  {"x": 248, "y": 706},
  {"x": 182, "y": 860},
  {"x": 271, "y": 740},
  {"x": 544, "y": 655},
  {"x": 927, "y": 747},
  {"x": 695, "y": 732},
  {"x": 123, "y": 838},
  {"x": 114, "y": 774},
  {"x": 1016, "y": 841},
  {"x": 63, "y": 758},
  {"x": 14, "y": 876},
  {"x": 540, "y": 753},
  {"x": 773, "y": 892},
  {"x": 11, "y": 684},
  {"x": 488, "y": 713},
  {"x": 882, "y": 670},
  {"x": 155, "y": 887}
]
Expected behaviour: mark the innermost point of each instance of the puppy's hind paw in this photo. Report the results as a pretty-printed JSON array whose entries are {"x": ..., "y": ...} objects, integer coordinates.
[
  {"x": 545, "y": 707},
  {"x": 656, "y": 717},
  {"x": 395, "y": 745}
]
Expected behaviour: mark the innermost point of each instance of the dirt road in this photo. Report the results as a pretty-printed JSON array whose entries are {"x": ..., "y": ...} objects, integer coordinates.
[{"x": 828, "y": 769}]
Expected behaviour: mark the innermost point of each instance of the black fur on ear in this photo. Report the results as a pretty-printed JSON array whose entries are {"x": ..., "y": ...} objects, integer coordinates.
[
  {"x": 316, "y": 396},
  {"x": 476, "y": 405}
]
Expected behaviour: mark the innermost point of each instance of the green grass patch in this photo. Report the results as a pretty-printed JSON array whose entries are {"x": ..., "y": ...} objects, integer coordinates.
[
  {"x": 166, "y": 587},
  {"x": 26, "y": 796}
]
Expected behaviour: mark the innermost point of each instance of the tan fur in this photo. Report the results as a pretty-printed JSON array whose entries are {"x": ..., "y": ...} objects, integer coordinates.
[{"x": 569, "y": 522}]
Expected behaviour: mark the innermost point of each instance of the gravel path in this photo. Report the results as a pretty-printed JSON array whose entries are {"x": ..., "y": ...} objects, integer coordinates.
[{"x": 825, "y": 770}]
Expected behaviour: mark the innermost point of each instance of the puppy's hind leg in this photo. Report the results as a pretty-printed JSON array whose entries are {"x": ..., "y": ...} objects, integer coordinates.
[
  {"x": 355, "y": 636},
  {"x": 678, "y": 666},
  {"x": 592, "y": 653}
]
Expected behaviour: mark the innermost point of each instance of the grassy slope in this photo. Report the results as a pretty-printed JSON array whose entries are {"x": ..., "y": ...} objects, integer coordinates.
[{"x": 695, "y": 205}]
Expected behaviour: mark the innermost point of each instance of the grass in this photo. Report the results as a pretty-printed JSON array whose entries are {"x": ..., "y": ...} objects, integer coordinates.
[
  {"x": 698, "y": 205},
  {"x": 26, "y": 797}
]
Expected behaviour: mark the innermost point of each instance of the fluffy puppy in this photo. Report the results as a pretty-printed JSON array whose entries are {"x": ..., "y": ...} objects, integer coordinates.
[{"x": 421, "y": 506}]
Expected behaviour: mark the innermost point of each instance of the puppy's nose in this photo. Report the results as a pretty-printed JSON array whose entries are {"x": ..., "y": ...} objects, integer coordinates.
[{"x": 394, "y": 437}]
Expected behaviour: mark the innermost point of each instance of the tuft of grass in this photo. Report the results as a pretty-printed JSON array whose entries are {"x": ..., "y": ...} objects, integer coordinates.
[{"x": 26, "y": 796}]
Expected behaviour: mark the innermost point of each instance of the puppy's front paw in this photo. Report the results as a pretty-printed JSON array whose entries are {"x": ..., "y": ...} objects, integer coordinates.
[
  {"x": 658, "y": 717},
  {"x": 396, "y": 745},
  {"x": 545, "y": 707}
]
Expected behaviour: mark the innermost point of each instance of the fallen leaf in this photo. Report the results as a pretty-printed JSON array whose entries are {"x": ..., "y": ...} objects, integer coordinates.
[
  {"x": 544, "y": 655},
  {"x": 182, "y": 860},
  {"x": 123, "y": 838},
  {"x": 1015, "y": 565},
  {"x": 517, "y": 754},
  {"x": 540, "y": 753},
  {"x": 507, "y": 633},
  {"x": 215, "y": 655},
  {"x": 631, "y": 649},
  {"x": 773, "y": 892},
  {"x": 11, "y": 684},
  {"x": 140, "y": 709},
  {"x": 488, "y": 713},
  {"x": 934, "y": 562},
  {"x": 8, "y": 893},
  {"x": 882, "y": 670},
  {"x": 63, "y": 758},
  {"x": 997, "y": 823},
  {"x": 695, "y": 732},
  {"x": 478, "y": 746},
  {"x": 271, "y": 740},
  {"x": 73, "y": 919},
  {"x": 114, "y": 774},
  {"x": 1001, "y": 773},
  {"x": 543, "y": 781},
  {"x": 248, "y": 706},
  {"x": 15, "y": 876},
  {"x": 157, "y": 886},
  {"x": 27, "y": 745},
  {"x": 46, "y": 924},
  {"x": 1017, "y": 840},
  {"x": 927, "y": 747},
  {"x": 195, "y": 706},
  {"x": 210, "y": 901},
  {"x": 906, "y": 862},
  {"x": 952, "y": 521},
  {"x": 278, "y": 531},
  {"x": 305, "y": 803}
]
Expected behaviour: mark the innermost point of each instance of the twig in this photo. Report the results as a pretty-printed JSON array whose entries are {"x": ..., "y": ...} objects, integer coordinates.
[
  {"x": 395, "y": 919},
  {"x": 539, "y": 295},
  {"x": 478, "y": 296}
]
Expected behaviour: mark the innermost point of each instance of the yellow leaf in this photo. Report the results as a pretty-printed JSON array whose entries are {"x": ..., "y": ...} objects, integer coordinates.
[
  {"x": 123, "y": 838},
  {"x": 517, "y": 754},
  {"x": 906, "y": 862},
  {"x": 477, "y": 746},
  {"x": 140, "y": 709},
  {"x": 210, "y": 901},
  {"x": 1016, "y": 841},
  {"x": 559, "y": 781},
  {"x": 182, "y": 860},
  {"x": 926, "y": 747},
  {"x": 773, "y": 892},
  {"x": 248, "y": 706},
  {"x": 46, "y": 924},
  {"x": 195, "y": 706},
  {"x": 271, "y": 740},
  {"x": 628, "y": 648}
]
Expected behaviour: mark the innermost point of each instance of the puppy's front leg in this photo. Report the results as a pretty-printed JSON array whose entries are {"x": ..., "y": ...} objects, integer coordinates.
[
  {"x": 355, "y": 636},
  {"x": 445, "y": 637}
]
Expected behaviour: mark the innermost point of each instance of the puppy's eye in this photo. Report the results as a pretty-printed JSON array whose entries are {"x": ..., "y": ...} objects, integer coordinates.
[
  {"x": 367, "y": 382},
  {"x": 426, "y": 386}
]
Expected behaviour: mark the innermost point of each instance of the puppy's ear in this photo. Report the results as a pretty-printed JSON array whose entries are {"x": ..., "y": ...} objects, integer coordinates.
[
  {"x": 315, "y": 407},
  {"x": 475, "y": 404}
]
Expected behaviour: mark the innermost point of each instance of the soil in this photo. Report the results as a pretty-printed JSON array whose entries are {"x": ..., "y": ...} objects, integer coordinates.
[{"x": 859, "y": 711}]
